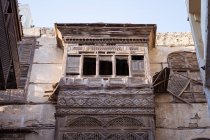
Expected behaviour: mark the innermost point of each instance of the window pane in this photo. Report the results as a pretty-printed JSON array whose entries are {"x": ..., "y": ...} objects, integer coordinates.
[
  {"x": 89, "y": 65},
  {"x": 105, "y": 65}
]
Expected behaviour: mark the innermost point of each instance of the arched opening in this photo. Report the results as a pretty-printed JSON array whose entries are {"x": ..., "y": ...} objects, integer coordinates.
[
  {"x": 125, "y": 122},
  {"x": 84, "y": 122}
]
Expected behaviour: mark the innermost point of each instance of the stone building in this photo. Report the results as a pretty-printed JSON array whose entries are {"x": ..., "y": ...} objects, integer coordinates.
[
  {"x": 99, "y": 81},
  {"x": 26, "y": 17}
]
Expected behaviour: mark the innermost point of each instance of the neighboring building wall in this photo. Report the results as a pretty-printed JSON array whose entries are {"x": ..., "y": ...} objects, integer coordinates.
[
  {"x": 198, "y": 13},
  {"x": 176, "y": 121},
  {"x": 26, "y": 17},
  {"x": 10, "y": 34},
  {"x": 34, "y": 119},
  {"x": 167, "y": 43}
]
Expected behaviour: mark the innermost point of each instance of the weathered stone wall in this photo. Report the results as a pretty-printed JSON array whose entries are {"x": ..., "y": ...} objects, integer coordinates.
[
  {"x": 174, "y": 39},
  {"x": 176, "y": 121},
  {"x": 38, "y": 113},
  {"x": 167, "y": 43}
]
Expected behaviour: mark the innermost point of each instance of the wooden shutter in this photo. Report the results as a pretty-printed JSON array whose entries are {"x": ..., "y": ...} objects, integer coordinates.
[
  {"x": 137, "y": 64},
  {"x": 137, "y": 67},
  {"x": 13, "y": 47},
  {"x": 73, "y": 65},
  {"x": 5, "y": 56}
]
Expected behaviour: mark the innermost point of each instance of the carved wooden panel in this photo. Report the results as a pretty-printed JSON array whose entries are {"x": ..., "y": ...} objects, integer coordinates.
[
  {"x": 110, "y": 121},
  {"x": 106, "y": 110},
  {"x": 137, "y": 67},
  {"x": 109, "y": 101},
  {"x": 177, "y": 83},
  {"x": 106, "y": 48},
  {"x": 125, "y": 122},
  {"x": 185, "y": 81},
  {"x": 106, "y": 136},
  {"x": 84, "y": 122},
  {"x": 117, "y": 91},
  {"x": 183, "y": 60},
  {"x": 106, "y": 98},
  {"x": 106, "y": 127},
  {"x": 140, "y": 111},
  {"x": 123, "y": 82}
]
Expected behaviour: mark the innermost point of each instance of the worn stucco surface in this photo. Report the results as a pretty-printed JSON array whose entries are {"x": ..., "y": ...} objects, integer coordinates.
[
  {"x": 167, "y": 43},
  {"x": 38, "y": 112},
  {"x": 26, "y": 115},
  {"x": 46, "y": 68},
  {"x": 182, "y": 134},
  {"x": 176, "y": 121}
]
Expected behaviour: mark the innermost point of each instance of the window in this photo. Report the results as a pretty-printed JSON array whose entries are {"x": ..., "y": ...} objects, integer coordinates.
[
  {"x": 122, "y": 68},
  {"x": 137, "y": 57},
  {"x": 105, "y": 65},
  {"x": 89, "y": 65},
  {"x": 137, "y": 64},
  {"x": 73, "y": 65}
]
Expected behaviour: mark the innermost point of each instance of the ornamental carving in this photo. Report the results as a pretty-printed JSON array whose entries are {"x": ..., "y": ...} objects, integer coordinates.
[
  {"x": 110, "y": 121},
  {"x": 105, "y": 136},
  {"x": 117, "y": 91},
  {"x": 114, "y": 48},
  {"x": 100, "y": 101},
  {"x": 129, "y": 111}
]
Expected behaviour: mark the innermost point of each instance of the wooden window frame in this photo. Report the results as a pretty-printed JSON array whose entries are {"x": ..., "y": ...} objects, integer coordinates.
[{"x": 114, "y": 67}]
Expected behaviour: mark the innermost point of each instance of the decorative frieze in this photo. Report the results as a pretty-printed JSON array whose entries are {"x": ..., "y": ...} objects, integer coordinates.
[
  {"x": 105, "y": 136},
  {"x": 115, "y": 91},
  {"x": 105, "y": 100},
  {"x": 114, "y": 111},
  {"x": 105, "y": 48},
  {"x": 71, "y": 82},
  {"x": 134, "y": 127}
]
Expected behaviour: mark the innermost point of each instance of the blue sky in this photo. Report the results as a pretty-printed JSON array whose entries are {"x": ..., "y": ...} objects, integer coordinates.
[{"x": 169, "y": 15}]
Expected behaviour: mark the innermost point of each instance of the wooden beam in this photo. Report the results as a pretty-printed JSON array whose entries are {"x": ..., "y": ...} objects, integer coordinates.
[
  {"x": 188, "y": 82},
  {"x": 179, "y": 98}
]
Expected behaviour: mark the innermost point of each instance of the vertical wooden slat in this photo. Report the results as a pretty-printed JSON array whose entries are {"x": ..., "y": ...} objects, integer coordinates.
[
  {"x": 73, "y": 65},
  {"x": 26, "y": 53},
  {"x": 137, "y": 66},
  {"x": 13, "y": 46},
  {"x": 5, "y": 56}
]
